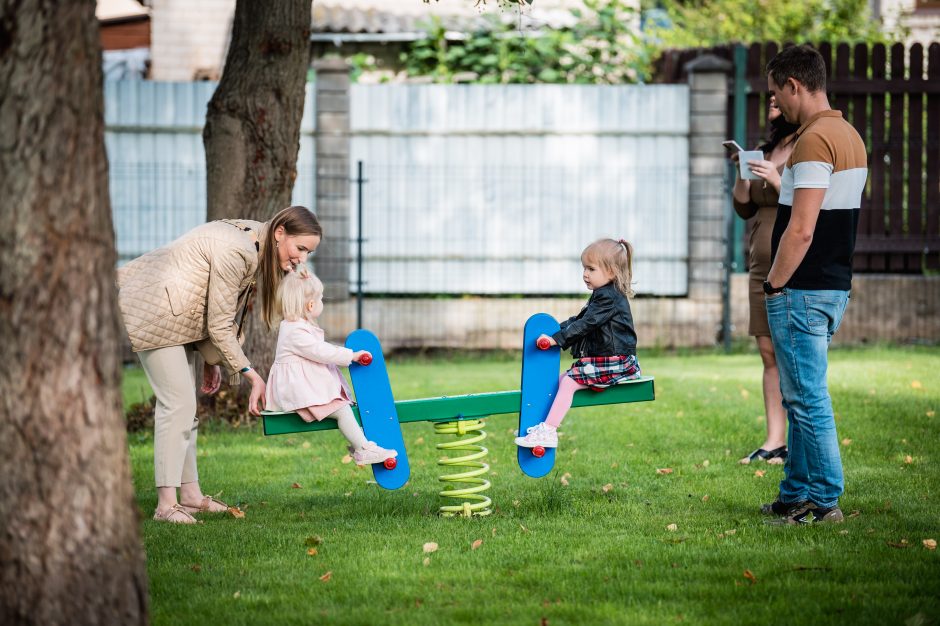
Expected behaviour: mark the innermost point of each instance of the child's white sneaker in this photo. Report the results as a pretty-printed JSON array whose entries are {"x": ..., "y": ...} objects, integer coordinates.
[
  {"x": 372, "y": 453},
  {"x": 539, "y": 435}
]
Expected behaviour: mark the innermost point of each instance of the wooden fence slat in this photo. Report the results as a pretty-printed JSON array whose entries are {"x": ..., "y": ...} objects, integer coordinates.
[
  {"x": 915, "y": 146},
  {"x": 754, "y": 120},
  {"x": 896, "y": 154},
  {"x": 840, "y": 100},
  {"x": 933, "y": 154},
  {"x": 877, "y": 151},
  {"x": 860, "y": 121}
]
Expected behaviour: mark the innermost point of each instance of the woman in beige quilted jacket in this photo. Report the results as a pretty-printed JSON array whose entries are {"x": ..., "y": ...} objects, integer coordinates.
[{"x": 192, "y": 294}]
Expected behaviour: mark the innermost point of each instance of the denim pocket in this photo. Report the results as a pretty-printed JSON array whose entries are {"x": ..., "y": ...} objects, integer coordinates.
[{"x": 821, "y": 312}]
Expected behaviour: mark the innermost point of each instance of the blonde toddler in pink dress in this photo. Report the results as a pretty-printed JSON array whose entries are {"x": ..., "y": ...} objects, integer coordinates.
[{"x": 305, "y": 376}]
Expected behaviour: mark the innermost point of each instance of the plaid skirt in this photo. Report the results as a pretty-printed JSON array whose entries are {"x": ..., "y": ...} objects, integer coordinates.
[{"x": 600, "y": 372}]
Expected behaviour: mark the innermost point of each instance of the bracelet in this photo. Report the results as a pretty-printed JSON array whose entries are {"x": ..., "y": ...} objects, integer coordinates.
[{"x": 244, "y": 369}]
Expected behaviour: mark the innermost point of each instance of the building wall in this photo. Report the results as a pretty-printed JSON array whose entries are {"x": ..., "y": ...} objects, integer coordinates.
[
  {"x": 190, "y": 39},
  {"x": 922, "y": 18},
  {"x": 126, "y": 34}
]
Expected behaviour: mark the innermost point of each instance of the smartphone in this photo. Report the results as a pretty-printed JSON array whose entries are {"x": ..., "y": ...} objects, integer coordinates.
[{"x": 732, "y": 146}]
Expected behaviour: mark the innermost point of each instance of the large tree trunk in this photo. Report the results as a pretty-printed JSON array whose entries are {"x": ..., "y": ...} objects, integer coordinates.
[
  {"x": 252, "y": 131},
  {"x": 69, "y": 537}
]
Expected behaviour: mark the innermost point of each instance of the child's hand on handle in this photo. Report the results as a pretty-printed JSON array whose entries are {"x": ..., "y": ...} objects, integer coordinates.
[
  {"x": 544, "y": 342},
  {"x": 256, "y": 399},
  {"x": 211, "y": 379},
  {"x": 363, "y": 357}
]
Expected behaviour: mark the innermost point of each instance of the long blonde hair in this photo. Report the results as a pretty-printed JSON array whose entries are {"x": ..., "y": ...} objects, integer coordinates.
[
  {"x": 615, "y": 257},
  {"x": 297, "y": 289},
  {"x": 296, "y": 220}
]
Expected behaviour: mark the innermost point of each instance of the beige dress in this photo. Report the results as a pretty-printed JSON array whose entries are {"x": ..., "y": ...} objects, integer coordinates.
[{"x": 762, "y": 210}]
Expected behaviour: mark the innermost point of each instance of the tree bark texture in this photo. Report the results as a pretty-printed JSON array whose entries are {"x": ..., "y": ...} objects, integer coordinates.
[
  {"x": 69, "y": 530},
  {"x": 252, "y": 131}
]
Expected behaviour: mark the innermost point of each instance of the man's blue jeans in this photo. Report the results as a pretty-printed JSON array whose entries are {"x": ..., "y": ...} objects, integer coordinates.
[{"x": 801, "y": 325}]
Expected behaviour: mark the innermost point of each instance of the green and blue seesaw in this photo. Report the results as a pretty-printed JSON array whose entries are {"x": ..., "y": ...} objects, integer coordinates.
[{"x": 381, "y": 416}]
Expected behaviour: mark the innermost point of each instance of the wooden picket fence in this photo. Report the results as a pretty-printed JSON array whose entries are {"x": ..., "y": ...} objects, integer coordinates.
[{"x": 892, "y": 97}]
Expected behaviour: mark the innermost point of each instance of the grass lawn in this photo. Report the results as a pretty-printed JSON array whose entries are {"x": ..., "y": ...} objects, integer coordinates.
[{"x": 588, "y": 544}]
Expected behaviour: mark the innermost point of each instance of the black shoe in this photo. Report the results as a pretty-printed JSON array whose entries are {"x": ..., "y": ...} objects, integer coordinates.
[
  {"x": 781, "y": 509},
  {"x": 809, "y": 513},
  {"x": 777, "y": 456}
]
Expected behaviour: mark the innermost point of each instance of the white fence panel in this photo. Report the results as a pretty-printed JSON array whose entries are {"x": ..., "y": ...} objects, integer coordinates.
[
  {"x": 153, "y": 134},
  {"x": 497, "y": 189}
]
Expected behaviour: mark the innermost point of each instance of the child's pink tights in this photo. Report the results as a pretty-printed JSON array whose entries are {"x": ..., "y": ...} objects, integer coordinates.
[{"x": 566, "y": 388}]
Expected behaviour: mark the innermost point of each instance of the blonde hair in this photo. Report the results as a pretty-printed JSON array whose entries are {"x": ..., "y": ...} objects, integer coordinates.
[
  {"x": 297, "y": 288},
  {"x": 615, "y": 257},
  {"x": 296, "y": 220}
]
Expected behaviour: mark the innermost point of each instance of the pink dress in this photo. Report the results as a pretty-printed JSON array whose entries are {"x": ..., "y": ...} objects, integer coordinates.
[{"x": 305, "y": 375}]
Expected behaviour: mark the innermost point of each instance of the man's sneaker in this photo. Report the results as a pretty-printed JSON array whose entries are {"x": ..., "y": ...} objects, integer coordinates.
[
  {"x": 809, "y": 513},
  {"x": 372, "y": 453},
  {"x": 539, "y": 435},
  {"x": 781, "y": 509}
]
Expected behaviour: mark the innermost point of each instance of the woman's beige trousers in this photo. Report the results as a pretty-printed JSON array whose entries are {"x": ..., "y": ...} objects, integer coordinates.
[{"x": 172, "y": 374}]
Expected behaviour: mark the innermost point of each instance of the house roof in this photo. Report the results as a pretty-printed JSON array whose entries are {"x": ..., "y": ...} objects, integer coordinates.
[
  {"x": 119, "y": 10},
  {"x": 400, "y": 20}
]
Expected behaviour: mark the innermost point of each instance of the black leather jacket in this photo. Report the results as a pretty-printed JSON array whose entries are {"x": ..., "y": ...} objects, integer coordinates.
[{"x": 604, "y": 327}]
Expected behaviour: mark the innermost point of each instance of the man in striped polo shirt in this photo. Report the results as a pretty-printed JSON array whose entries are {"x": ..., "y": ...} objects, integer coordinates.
[{"x": 808, "y": 284}]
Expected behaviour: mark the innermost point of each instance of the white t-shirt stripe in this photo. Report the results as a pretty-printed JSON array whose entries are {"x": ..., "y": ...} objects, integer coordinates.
[{"x": 811, "y": 175}]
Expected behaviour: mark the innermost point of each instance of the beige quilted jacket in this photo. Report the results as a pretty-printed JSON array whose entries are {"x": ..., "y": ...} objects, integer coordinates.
[{"x": 192, "y": 289}]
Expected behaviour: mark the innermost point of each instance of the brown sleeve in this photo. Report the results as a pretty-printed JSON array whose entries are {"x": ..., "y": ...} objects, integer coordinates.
[
  {"x": 745, "y": 210},
  {"x": 228, "y": 270}
]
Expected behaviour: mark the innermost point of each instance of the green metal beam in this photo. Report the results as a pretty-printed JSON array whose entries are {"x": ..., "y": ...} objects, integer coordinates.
[{"x": 472, "y": 406}]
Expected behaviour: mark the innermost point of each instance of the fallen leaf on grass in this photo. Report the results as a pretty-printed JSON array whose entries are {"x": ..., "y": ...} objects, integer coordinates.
[
  {"x": 930, "y": 413},
  {"x": 745, "y": 394},
  {"x": 295, "y": 486},
  {"x": 908, "y": 459},
  {"x": 855, "y": 513},
  {"x": 705, "y": 498},
  {"x": 759, "y": 473},
  {"x": 429, "y": 547},
  {"x": 312, "y": 552},
  {"x": 607, "y": 487},
  {"x": 916, "y": 384},
  {"x": 524, "y": 529},
  {"x": 326, "y": 577},
  {"x": 901, "y": 544},
  {"x": 476, "y": 544},
  {"x": 672, "y": 527},
  {"x": 236, "y": 512},
  {"x": 930, "y": 544},
  {"x": 750, "y": 576},
  {"x": 419, "y": 441},
  {"x": 426, "y": 561},
  {"x": 846, "y": 442},
  {"x": 664, "y": 470},
  {"x": 305, "y": 445},
  {"x": 731, "y": 532},
  {"x": 346, "y": 459},
  {"x": 196, "y": 567},
  {"x": 564, "y": 478},
  {"x": 237, "y": 595},
  {"x": 494, "y": 532}
]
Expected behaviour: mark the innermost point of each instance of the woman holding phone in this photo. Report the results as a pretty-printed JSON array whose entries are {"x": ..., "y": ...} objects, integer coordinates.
[{"x": 756, "y": 200}]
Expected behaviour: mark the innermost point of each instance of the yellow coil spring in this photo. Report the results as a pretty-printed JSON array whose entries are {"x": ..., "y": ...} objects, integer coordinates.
[{"x": 474, "y": 503}]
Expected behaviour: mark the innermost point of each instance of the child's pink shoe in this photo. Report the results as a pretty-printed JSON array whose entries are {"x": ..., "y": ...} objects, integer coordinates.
[
  {"x": 372, "y": 453},
  {"x": 539, "y": 435}
]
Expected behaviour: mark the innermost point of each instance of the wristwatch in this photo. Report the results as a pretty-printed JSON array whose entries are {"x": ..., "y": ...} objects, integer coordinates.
[{"x": 770, "y": 290}]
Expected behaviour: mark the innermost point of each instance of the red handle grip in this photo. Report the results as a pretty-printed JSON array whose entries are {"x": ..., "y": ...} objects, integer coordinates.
[
  {"x": 365, "y": 359},
  {"x": 543, "y": 343}
]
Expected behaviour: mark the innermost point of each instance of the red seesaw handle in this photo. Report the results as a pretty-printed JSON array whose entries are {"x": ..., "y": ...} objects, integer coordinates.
[
  {"x": 543, "y": 343},
  {"x": 538, "y": 452},
  {"x": 390, "y": 463},
  {"x": 365, "y": 359}
]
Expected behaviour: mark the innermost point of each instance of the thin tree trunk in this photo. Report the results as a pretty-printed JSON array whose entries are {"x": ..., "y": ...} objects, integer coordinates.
[
  {"x": 252, "y": 131},
  {"x": 69, "y": 530}
]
